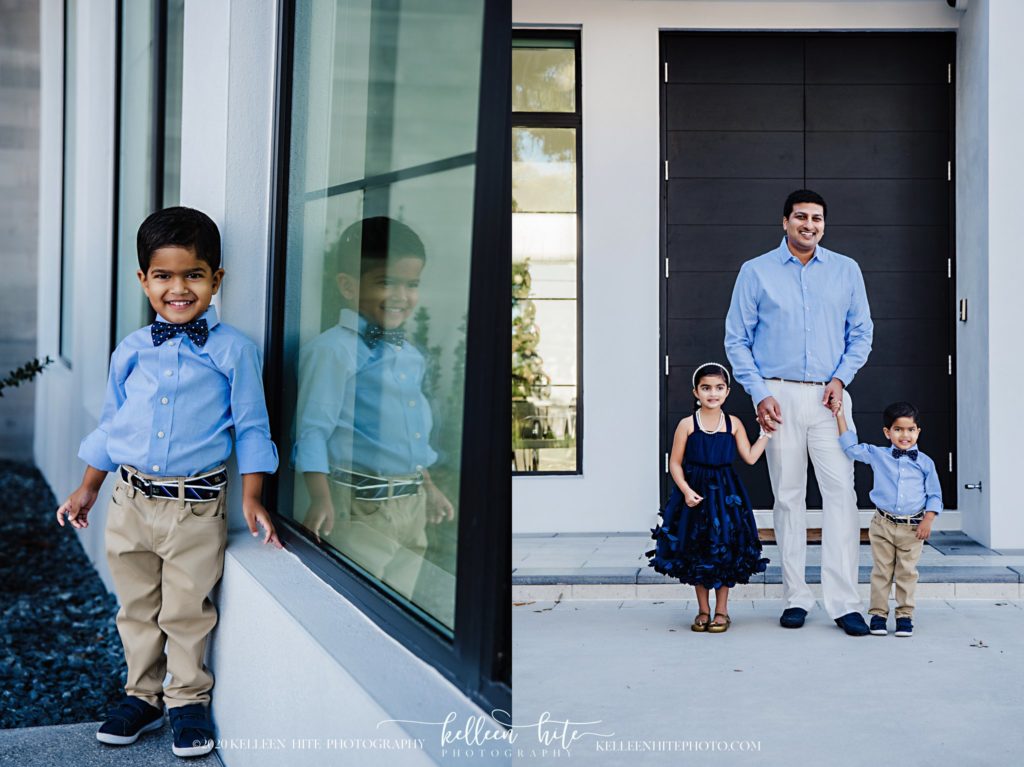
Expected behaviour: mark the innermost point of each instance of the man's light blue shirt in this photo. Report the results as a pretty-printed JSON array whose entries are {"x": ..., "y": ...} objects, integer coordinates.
[
  {"x": 902, "y": 487},
  {"x": 170, "y": 410},
  {"x": 802, "y": 323},
  {"x": 361, "y": 408}
]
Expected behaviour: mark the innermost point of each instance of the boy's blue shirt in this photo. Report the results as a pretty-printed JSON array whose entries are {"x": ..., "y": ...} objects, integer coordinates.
[
  {"x": 170, "y": 409},
  {"x": 361, "y": 408},
  {"x": 902, "y": 487}
]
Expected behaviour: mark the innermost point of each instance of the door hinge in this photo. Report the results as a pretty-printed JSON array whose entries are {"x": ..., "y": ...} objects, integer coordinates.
[
  {"x": 950, "y": 463},
  {"x": 666, "y": 463},
  {"x": 666, "y": 71},
  {"x": 949, "y": 268},
  {"x": 666, "y": 170},
  {"x": 949, "y": 170},
  {"x": 950, "y": 359},
  {"x": 666, "y": 268},
  {"x": 949, "y": 72},
  {"x": 666, "y": 364}
]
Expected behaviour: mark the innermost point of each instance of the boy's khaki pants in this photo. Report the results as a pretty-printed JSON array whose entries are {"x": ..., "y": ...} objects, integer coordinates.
[
  {"x": 895, "y": 550},
  {"x": 165, "y": 556}
]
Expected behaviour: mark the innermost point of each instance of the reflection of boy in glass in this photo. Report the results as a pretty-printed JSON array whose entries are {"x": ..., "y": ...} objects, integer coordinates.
[{"x": 362, "y": 421}]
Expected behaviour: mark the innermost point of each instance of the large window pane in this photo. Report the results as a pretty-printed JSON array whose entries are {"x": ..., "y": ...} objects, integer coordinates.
[{"x": 380, "y": 205}]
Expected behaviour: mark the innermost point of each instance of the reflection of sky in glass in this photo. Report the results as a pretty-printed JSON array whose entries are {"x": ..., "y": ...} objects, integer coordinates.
[
  {"x": 543, "y": 80},
  {"x": 544, "y": 170}
]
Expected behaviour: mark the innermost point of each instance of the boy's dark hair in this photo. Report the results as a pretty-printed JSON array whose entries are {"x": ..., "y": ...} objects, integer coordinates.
[
  {"x": 371, "y": 242},
  {"x": 899, "y": 410},
  {"x": 184, "y": 227},
  {"x": 804, "y": 195}
]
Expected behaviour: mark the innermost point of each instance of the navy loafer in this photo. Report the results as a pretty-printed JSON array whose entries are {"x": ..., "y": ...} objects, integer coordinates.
[
  {"x": 853, "y": 624},
  {"x": 793, "y": 617}
]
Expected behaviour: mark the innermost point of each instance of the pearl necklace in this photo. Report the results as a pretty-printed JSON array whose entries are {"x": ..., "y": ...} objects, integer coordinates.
[{"x": 721, "y": 421}]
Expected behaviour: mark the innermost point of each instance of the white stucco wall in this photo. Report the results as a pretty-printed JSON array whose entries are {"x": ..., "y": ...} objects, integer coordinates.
[{"x": 618, "y": 489}]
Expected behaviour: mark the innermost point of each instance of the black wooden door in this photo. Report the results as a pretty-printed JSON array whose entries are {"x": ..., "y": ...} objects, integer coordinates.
[{"x": 866, "y": 121}]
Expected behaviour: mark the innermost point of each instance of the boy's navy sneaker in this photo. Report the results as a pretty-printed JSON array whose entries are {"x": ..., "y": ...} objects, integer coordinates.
[
  {"x": 853, "y": 624},
  {"x": 904, "y": 627},
  {"x": 193, "y": 731},
  {"x": 132, "y": 717},
  {"x": 878, "y": 627}
]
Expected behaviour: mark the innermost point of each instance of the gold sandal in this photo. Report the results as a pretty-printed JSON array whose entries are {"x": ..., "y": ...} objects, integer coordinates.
[
  {"x": 718, "y": 628},
  {"x": 699, "y": 625}
]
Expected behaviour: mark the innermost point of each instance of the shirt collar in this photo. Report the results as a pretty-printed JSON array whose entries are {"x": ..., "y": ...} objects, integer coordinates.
[
  {"x": 785, "y": 255},
  {"x": 210, "y": 315},
  {"x": 352, "y": 320}
]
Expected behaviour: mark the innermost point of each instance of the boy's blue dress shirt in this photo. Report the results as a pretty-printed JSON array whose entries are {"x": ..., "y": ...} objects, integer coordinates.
[
  {"x": 802, "y": 323},
  {"x": 902, "y": 487},
  {"x": 361, "y": 408},
  {"x": 170, "y": 409}
]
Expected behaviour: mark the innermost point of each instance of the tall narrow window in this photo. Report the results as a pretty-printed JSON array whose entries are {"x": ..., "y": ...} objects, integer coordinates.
[
  {"x": 148, "y": 139},
  {"x": 67, "y": 248},
  {"x": 546, "y": 341}
]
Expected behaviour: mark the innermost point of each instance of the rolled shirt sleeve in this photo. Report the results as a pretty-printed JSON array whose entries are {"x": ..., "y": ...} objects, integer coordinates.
[
  {"x": 93, "y": 449},
  {"x": 859, "y": 333},
  {"x": 932, "y": 489},
  {"x": 255, "y": 449}
]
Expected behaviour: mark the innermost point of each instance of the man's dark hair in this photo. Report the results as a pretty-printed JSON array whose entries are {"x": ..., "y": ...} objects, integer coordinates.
[
  {"x": 899, "y": 410},
  {"x": 804, "y": 195},
  {"x": 371, "y": 242},
  {"x": 184, "y": 227}
]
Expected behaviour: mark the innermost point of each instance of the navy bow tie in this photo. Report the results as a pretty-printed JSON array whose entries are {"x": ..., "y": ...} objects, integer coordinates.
[
  {"x": 197, "y": 330},
  {"x": 911, "y": 454},
  {"x": 374, "y": 334}
]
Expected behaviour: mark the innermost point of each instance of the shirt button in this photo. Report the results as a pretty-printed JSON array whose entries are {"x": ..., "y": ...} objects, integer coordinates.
[
  {"x": 156, "y": 467},
  {"x": 160, "y": 434},
  {"x": 412, "y": 403},
  {"x": 168, "y": 373},
  {"x": 171, "y": 342},
  {"x": 417, "y": 435},
  {"x": 164, "y": 400},
  {"x": 401, "y": 376}
]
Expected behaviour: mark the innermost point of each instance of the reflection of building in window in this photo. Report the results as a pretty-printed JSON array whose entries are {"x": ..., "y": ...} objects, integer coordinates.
[{"x": 545, "y": 253}]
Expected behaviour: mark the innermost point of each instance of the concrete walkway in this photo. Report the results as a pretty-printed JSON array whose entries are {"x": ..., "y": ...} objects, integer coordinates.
[
  {"x": 76, "y": 744},
  {"x": 763, "y": 695},
  {"x": 613, "y": 566}
]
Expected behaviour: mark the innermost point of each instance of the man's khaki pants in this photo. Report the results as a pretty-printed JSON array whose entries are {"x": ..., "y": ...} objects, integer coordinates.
[
  {"x": 896, "y": 550},
  {"x": 165, "y": 556}
]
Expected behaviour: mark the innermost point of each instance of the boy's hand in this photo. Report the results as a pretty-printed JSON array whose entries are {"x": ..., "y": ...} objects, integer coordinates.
[
  {"x": 924, "y": 527},
  {"x": 255, "y": 513},
  {"x": 320, "y": 514},
  {"x": 77, "y": 507},
  {"x": 439, "y": 508}
]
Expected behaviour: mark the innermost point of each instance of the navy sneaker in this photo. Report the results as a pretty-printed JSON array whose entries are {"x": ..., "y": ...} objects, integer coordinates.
[
  {"x": 878, "y": 627},
  {"x": 793, "y": 617},
  {"x": 853, "y": 624},
  {"x": 904, "y": 627},
  {"x": 132, "y": 717},
  {"x": 193, "y": 731}
]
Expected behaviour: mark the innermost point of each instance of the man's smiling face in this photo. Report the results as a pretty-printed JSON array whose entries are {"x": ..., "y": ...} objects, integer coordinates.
[
  {"x": 179, "y": 284},
  {"x": 804, "y": 226}
]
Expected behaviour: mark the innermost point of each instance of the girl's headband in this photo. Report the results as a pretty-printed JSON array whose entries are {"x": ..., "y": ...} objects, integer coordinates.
[{"x": 703, "y": 365}]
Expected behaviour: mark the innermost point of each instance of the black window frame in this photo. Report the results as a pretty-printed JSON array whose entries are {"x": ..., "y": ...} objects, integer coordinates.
[
  {"x": 477, "y": 658},
  {"x": 562, "y": 120}
]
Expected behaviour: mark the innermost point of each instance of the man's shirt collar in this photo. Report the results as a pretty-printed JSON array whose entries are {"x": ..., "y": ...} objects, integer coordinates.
[{"x": 785, "y": 254}]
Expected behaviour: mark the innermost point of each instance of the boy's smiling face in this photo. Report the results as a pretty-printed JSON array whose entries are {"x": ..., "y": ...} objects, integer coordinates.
[
  {"x": 179, "y": 284},
  {"x": 903, "y": 433},
  {"x": 386, "y": 295}
]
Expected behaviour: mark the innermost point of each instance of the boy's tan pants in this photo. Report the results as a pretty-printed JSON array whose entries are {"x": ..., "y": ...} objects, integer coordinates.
[
  {"x": 165, "y": 556},
  {"x": 896, "y": 550}
]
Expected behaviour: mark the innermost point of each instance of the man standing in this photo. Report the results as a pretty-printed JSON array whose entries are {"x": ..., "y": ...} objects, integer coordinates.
[{"x": 797, "y": 332}]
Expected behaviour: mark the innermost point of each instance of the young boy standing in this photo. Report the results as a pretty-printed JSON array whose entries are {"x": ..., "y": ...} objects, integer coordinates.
[
  {"x": 907, "y": 497},
  {"x": 177, "y": 390}
]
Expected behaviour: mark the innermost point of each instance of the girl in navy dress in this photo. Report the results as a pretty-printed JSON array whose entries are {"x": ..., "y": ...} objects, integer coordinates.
[{"x": 708, "y": 536}]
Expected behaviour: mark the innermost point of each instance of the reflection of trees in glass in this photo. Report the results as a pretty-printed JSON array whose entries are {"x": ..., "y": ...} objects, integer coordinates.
[
  {"x": 431, "y": 354},
  {"x": 528, "y": 377}
]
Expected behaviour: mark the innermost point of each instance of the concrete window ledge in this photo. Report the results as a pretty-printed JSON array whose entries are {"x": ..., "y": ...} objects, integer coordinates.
[{"x": 295, "y": 660}]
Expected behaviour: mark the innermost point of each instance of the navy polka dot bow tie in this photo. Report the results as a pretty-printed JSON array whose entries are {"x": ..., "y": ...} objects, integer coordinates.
[
  {"x": 374, "y": 334},
  {"x": 911, "y": 454},
  {"x": 196, "y": 330}
]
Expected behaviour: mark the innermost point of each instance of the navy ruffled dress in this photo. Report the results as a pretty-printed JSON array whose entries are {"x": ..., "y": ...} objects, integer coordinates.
[{"x": 715, "y": 543}]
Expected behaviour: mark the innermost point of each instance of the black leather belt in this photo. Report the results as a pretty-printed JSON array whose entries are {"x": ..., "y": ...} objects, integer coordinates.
[
  {"x": 205, "y": 487},
  {"x": 805, "y": 383},
  {"x": 912, "y": 519}
]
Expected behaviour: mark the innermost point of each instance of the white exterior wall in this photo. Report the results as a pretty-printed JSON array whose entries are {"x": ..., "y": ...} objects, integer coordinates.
[
  {"x": 618, "y": 489},
  {"x": 292, "y": 658}
]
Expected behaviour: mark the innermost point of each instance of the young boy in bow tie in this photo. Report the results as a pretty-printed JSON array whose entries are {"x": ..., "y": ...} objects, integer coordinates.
[
  {"x": 362, "y": 422},
  {"x": 177, "y": 391},
  {"x": 907, "y": 497}
]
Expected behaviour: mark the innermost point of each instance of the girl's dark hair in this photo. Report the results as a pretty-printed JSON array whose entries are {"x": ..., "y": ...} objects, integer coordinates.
[
  {"x": 899, "y": 410},
  {"x": 184, "y": 227},
  {"x": 709, "y": 370}
]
